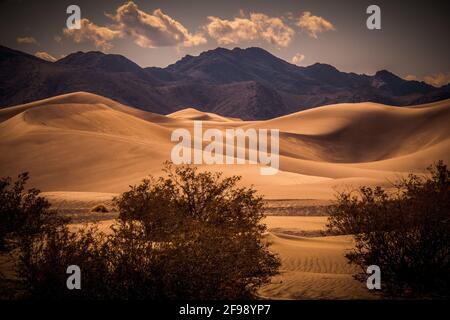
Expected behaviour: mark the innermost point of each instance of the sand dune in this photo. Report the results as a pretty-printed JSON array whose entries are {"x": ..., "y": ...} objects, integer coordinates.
[
  {"x": 314, "y": 268},
  {"x": 194, "y": 114},
  {"x": 88, "y": 143},
  {"x": 82, "y": 98},
  {"x": 82, "y": 149},
  {"x": 363, "y": 132}
]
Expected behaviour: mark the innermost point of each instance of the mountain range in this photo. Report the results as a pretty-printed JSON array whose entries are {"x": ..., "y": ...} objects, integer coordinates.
[{"x": 250, "y": 84}]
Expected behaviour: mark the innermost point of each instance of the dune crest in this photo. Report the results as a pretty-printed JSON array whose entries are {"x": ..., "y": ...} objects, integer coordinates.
[{"x": 194, "y": 114}]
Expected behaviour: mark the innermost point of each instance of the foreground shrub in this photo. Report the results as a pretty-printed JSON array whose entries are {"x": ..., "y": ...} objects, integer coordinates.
[
  {"x": 405, "y": 232},
  {"x": 23, "y": 213},
  {"x": 190, "y": 235},
  {"x": 211, "y": 230}
]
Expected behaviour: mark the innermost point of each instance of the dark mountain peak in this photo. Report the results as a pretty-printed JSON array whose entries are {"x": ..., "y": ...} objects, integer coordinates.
[
  {"x": 223, "y": 65},
  {"x": 325, "y": 74},
  {"x": 252, "y": 51},
  {"x": 80, "y": 57},
  {"x": 8, "y": 53},
  {"x": 257, "y": 55},
  {"x": 184, "y": 60},
  {"x": 387, "y": 76},
  {"x": 322, "y": 67},
  {"x": 219, "y": 51},
  {"x": 235, "y": 53},
  {"x": 100, "y": 60},
  {"x": 211, "y": 61},
  {"x": 187, "y": 57},
  {"x": 398, "y": 86}
]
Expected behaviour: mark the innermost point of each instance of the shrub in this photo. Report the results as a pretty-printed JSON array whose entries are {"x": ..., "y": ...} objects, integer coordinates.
[
  {"x": 99, "y": 208},
  {"x": 211, "y": 229},
  {"x": 405, "y": 232},
  {"x": 42, "y": 267},
  {"x": 23, "y": 213},
  {"x": 190, "y": 235}
]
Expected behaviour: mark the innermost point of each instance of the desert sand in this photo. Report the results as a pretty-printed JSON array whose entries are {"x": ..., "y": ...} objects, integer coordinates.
[
  {"x": 82, "y": 149},
  {"x": 87, "y": 143},
  {"x": 313, "y": 267}
]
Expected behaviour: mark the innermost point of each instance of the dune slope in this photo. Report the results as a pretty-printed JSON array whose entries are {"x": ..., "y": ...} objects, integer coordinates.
[{"x": 84, "y": 142}]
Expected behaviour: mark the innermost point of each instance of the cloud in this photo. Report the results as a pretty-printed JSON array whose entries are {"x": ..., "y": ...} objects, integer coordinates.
[
  {"x": 154, "y": 29},
  {"x": 89, "y": 31},
  {"x": 298, "y": 58},
  {"x": 45, "y": 56},
  {"x": 410, "y": 77},
  {"x": 256, "y": 26},
  {"x": 314, "y": 24},
  {"x": 148, "y": 30},
  {"x": 26, "y": 40},
  {"x": 438, "y": 80}
]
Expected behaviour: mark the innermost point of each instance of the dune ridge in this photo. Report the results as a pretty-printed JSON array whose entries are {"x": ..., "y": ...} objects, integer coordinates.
[{"x": 194, "y": 114}]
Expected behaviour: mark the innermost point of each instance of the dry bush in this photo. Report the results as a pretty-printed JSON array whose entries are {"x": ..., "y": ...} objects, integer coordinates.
[
  {"x": 210, "y": 227},
  {"x": 99, "y": 208},
  {"x": 190, "y": 235},
  {"x": 406, "y": 232}
]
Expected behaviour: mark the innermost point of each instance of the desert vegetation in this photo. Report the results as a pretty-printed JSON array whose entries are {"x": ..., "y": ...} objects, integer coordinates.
[
  {"x": 99, "y": 208},
  {"x": 197, "y": 235},
  {"x": 406, "y": 232},
  {"x": 189, "y": 235}
]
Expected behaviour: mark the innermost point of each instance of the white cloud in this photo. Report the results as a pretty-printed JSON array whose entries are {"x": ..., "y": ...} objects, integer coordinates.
[
  {"x": 314, "y": 24},
  {"x": 410, "y": 77},
  {"x": 256, "y": 26},
  {"x": 438, "y": 80},
  {"x": 154, "y": 29},
  {"x": 89, "y": 31},
  {"x": 45, "y": 56},
  {"x": 298, "y": 58},
  {"x": 148, "y": 30},
  {"x": 26, "y": 40}
]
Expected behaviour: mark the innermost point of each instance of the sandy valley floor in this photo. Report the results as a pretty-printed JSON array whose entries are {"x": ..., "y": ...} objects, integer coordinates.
[
  {"x": 313, "y": 267},
  {"x": 313, "y": 264}
]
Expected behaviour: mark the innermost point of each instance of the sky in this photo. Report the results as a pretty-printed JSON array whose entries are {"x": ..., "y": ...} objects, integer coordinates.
[{"x": 413, "y": 41}]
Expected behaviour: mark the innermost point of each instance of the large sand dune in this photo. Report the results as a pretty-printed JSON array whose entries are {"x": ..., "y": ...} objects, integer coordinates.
[
  {"x": 82, "y": 149},
  {"x": 84, "y": 142}
]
